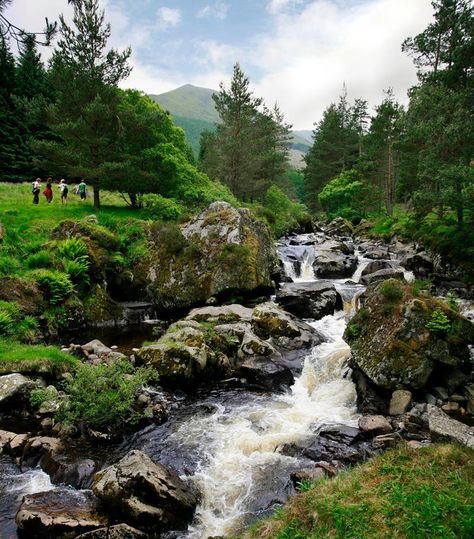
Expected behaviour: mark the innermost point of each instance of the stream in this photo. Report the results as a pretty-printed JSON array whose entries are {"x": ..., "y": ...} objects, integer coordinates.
[{"x": 226, "y": 441}]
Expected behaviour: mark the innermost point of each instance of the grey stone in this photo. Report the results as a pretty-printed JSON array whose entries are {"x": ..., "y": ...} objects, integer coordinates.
[
  {"x": 440, "y": 393},
  {"x": 374, "y": 424},
  {"x": 309, "y": 300},
  {"x": 382, "y": 275},
  {"x": 400, "y": 402},
  {"x": 14, "y": 387},
  {"x": 119, "y": 531},
  {"x": 442, "y": 428}
]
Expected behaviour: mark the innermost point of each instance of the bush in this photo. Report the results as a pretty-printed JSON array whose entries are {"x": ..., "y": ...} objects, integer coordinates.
[
  {"x": 41, "y": 259},
  {"x": 14, "y": 323},
  {"x": 159, "y": 208},
  {"x": 72, "y": 249},
  {"x": 8, "y": 265},
  {"x": 38, "y": 396},
  {"x": 391, "y": 291},
  {"x": 56, "y": 285},
  {"x": 344, "y": 196},
  {"x": 287, "y": 215},
  {"x": 75, "y": 260},
  {"x": 78, "y": 270},
  {"x": 102, "y": 396}
]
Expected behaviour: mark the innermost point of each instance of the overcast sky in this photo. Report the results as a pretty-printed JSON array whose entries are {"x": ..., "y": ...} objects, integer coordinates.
[{"x": 296, "y": 52}]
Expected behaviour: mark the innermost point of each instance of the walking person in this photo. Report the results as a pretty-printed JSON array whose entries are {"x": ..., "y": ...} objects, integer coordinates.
[
  {"x": 36, "y": 189},
  {"x": 82, "y": 189},
  {"x": 63, "y": 191},
  {"x": 48, "y": 191}
]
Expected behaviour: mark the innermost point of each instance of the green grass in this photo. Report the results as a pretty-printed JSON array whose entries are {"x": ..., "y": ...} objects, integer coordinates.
[
  {"x": 15, "y": 357},
  {"x": 404, "y": 493}
]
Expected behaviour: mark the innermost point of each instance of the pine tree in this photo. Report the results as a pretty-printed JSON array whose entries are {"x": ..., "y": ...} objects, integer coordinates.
[{"x": 85, "y": 115}]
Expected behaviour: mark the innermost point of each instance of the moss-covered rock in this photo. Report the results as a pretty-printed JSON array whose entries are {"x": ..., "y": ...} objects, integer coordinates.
[
  {"x": 398, "y": 343},
  {"x": 25, "y": 293},
  {"x": 100, "y": 308},
  {"x": 222, "y": 251}
]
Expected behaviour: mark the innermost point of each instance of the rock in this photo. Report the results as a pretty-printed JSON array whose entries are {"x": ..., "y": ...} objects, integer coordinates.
[
  {"x": 221, "y": 251},
  {"x": 374, "y": 424},
  {"x": 311, "y": 475},
  {"x": 376, "y": 265},
  {"x": 450, "y": 407},
  {"x": 371, "y": 399},
  {"x": 332, "y": 265},
  {"x": 420, "y": 263},
  {"x": 442, "y": 428},
  {"x": 309, "y": 300},
  {"x": 469, "y": 392},
  {"x": 221, "y": 315},
  {"x": 265, "y": 373},
  {"x": 26, "y": 293},
  {"x": 12, "y": 443},
  {"x": 400, "y": 402},
  {"x": 384, "y": 441},
  {"x": 40, "y": 449},
  {"x": 391, "y": 341},
  {"x": 376, "y": 254},
  {"x": 430, "y": 399},
  {"x": 119, "y": 531},
  {"x": 382, "y": 275},
  {"x": 254, "y": 346},
  {"x": 340, "y": 227},
  {"x": 440, "y": 393},
  {"x": 146, "y": 494},
  {"x": 15, "y": 388},
  {"x": 59, "y": 513},
  {"x": 96, "y": 347}
]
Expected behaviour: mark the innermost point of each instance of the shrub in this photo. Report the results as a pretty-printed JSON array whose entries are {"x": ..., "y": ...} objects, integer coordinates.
[
  {"x": 438, "y": 323},
  {"x": 14, "y": 323},
  {"x": 421, "y": 285},
  {"x": 6, "y": 322},
  {"x": 287, "y": 215},
  {"x": 41, "y": 259},
  {"x": 452, "y": 301},
  {"x": 8, "y": 265},
  {"x": 38, "y": 396},
  {"x": 72, "y": 248},
  {"x": 56, "y": 285},
  {"x": 75, "y": 260},
  {"x": 344, "y": 196},
  {"x": 78, "y": 270},
  {"x": 391, "y": 291},
  {"x": 159, "y": 208},
  {"x": 102, "y": 396}
]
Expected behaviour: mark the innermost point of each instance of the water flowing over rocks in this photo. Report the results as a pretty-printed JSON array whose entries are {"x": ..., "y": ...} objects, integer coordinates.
[{"x": 145, "y": 494}]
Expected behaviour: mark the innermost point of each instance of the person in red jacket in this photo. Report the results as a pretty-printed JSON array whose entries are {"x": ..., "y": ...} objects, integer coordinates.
[{"x": 48, "y": 191}]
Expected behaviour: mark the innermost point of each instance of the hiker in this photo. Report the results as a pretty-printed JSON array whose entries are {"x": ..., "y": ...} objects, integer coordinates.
[
  {"x": 48, "y": 191},
  {"x": 82, "y": 189},
  {"x": 35, "y": 189},
  {"x": 63, "y": 191}
]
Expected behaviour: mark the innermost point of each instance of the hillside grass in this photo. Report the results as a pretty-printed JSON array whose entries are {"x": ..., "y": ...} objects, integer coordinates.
[
  {"x": 16, "y": 357},
  {"x": 404, "y": 493}
]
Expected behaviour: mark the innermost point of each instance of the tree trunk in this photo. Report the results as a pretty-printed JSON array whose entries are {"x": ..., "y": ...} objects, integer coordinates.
[
  {"x": 133, "y": 199},
  {"x": 96, "y": 197}
]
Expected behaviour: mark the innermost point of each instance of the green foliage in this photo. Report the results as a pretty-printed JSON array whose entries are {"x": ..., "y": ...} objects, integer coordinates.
[
  {"x": 14, "y": 323},
  {"x": 8, "y": 265},
  {"x": 391, "y": 291},
  {"x": 38, "y": 396},
  {"x": 75, "y": 260},
  {"x": 304, "y": 485},
  {"x": 6, "y": 322},
  {"x": 344, "y": 196},
  {"x": 103, "y": 397},
  {"x": 438, "y": 323},
  {"x": 56, "y": 285},
  {"x": 72, "y": 248},
  {"x": 40, "y": 259},
  {"x": 284, "y": 215},
  {"x": 452, "y": 301},
  {"x": 160, "y": 208},
  {"x": 421, "y": 285},
  {"x": 169, "y": 237}
]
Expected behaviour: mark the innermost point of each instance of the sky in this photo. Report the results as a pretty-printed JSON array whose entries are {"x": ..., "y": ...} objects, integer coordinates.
[{"x": 297, "y": 53}]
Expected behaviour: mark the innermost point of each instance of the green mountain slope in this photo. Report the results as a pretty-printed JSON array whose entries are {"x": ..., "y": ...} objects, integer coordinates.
[{"x": 193, "y": 110}]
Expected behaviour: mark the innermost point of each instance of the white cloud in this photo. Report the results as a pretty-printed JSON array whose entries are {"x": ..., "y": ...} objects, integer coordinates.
[
  {"x": 276, "y": 6},
  {"x": 217, "y": 10},
  {"x": 168, "y": 17},
  {"x": 308, "y": 55}
]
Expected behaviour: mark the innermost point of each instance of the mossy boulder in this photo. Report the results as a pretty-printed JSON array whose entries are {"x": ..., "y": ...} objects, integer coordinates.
[
  {"x": 222, "y": 251},
  {"x": 25, "y": 293},
  {"x": 100, "y": 308},
  {"x": 399, "y": 340}
]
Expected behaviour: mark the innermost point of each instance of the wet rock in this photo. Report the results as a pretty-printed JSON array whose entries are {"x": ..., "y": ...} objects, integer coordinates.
[
  {"x": 15, "y": 388},
  {"x": 374, "y": 424},
  {"x": 265, "y": 373},
  {"x": 119, "y": 531},
  {"x": 309, "y": 300},
  {"x": 442, "y": 428},
  {"x": 400, "y": 402},
  {"x": 376, "y": 265},
  {"x": 333, "y": 265},
  {"x": 254, "y": 346},
  {"x": 376, "y": 254},
  {"x": 39, "y": 449},
  {"x": 382, "y": 275},
  {"x": 145, "y": 493},
  {"x": 420, "y": 263},
  {"x": 340, "y": 227},
  {"x": 59, "y": 513},
  {"x": 12, "y": 443},
  {"x": 450, "y": 407},
  {"x": 371, "y": 399},
  {"x": 67, "y": 470},
  {"x": 97, "y": 349}
]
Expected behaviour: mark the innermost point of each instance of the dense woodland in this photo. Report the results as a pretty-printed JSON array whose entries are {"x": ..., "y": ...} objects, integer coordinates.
[{"x": 409, "y": 168}]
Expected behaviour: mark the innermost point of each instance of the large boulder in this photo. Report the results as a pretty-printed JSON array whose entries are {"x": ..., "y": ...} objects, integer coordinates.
[
  {"x": 60, "y": 513},
  {"x": 329, "y": 264},
  {"x": 217, "y": 342},
  {"x": 222, "y": 251},
  {"x": 382, "y": 275},
  {"x": 400, "y": 340},
  {"x": 309, "y": 300},
  {"x": 15, "y": 388},
  {"x": 340, "y": 227},
  {"x": 145, "y": 494},
  {"x": 444, "y": 428},
  {"x": 420, "y": 263}
]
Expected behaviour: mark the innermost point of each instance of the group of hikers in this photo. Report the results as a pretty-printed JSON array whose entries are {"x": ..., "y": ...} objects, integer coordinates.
[{"x": 80, "y": 190}]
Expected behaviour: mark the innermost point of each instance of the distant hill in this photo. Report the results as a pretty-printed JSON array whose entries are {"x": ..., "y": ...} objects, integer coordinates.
[{"x": 193, "y": 109}]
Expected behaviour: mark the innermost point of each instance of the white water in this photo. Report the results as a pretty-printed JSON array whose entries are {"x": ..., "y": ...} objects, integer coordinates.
[{"x": 242, "y": 442}]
